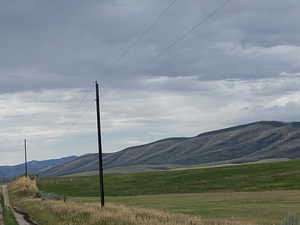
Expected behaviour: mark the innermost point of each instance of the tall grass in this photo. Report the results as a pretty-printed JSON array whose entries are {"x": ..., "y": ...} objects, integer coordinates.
[
  {"x": 49, "y": 212},
  {"x": 57, "y": 212}
]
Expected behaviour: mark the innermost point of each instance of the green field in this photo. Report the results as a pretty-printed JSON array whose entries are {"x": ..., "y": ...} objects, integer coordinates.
[
  {"x": 256, "y": 207},
  {"x": 251, "y": 177},
  {"x": 260, "y": 193}
]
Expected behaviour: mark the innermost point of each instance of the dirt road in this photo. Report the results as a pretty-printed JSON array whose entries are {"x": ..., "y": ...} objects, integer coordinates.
[{"x": 20, "y": 218}]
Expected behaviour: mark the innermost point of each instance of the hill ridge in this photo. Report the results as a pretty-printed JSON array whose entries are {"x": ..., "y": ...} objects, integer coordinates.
[
  {"x": 244, "y": 143},
  {"x": 34, "y": 166}
]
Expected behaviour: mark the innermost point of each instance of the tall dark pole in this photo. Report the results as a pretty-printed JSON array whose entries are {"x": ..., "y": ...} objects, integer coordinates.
[
  {"x": 100, "y": 146},
  {"x": 26, "y": 169}
]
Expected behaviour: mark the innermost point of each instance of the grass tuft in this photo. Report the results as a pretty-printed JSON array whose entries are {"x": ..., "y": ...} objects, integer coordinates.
[{"x": 23, "y": 186}]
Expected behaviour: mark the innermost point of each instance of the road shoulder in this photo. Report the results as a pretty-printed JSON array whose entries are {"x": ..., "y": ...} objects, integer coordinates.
[{"x": 19, "y": 217}]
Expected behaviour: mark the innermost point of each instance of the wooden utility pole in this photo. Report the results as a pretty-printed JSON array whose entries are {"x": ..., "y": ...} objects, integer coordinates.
[
  {"x": 26, "y": 168},
  {"x": 99, "y": 146}
]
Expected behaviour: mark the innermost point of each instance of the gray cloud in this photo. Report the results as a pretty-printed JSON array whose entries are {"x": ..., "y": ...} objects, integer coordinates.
[
  {"x": 58, "y": 44},
  {"x": 239, "y": 66},
  {"x": 57, "y": 125}
]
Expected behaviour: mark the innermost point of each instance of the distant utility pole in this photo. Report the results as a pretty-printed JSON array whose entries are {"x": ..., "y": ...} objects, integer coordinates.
[
  {"x": 26, "y": 168},
  {"x": 99, "y": 146}
]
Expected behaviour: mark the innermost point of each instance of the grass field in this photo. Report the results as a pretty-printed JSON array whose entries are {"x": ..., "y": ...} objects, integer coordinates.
[
  {"x": 252, "y": 177},
  {"x": 258, "y": 207},
  {"x": 48, "y": 212},
  {"x": 260, "y": 193}
]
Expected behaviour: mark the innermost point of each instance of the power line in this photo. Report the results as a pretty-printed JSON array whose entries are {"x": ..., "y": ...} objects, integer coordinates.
[
  {"x": 126, "y": 51},
  {"x": 195, "y": 27},
  {"x": 148, "y": 29},
  {"x": 144, "y": 32}
]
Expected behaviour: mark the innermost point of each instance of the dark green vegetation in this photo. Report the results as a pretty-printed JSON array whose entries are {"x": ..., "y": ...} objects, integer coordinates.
[
  {"x": 8, "y": 216},
  {"x": 246, "y": 143},
  {"x": 251, "y": 177}
]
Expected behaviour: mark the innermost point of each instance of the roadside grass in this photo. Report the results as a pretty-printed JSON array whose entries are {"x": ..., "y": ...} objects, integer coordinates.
[
  {"x": 49, "y": 212},
  {"x": 241, "y": 178},
  {"x": 60, "y": 213},
  {"x": 8, "y": 216}
]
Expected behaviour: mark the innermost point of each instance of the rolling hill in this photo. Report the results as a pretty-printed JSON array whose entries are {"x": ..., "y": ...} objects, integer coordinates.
[
  {"x": 246, "y": 143},
  {"x": 7, "y": 172}
]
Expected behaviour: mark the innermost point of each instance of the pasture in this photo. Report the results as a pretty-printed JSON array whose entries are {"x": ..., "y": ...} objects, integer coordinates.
[
  {"x": 267, "y": 207},
  {"x": 256, "y": 193},
  {"x": 241, "y": 178}
]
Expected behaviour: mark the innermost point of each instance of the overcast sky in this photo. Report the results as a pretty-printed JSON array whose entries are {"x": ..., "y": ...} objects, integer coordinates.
[{"x": 161, "y": 75}]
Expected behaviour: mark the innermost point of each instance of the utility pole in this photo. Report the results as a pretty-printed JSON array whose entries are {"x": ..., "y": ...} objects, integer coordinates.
[
  {"x": 26, "y": 168},
  {"x": 99, "y": 146}
]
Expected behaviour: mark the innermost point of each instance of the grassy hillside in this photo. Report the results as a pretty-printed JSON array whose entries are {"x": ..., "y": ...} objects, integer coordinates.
[
  {"x": 252, "y": 177},
  {"x": 240, "y": 144}
]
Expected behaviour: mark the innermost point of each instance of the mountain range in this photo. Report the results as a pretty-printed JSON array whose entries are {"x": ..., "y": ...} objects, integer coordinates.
[
  {"x": 34, "y": 167},
  {"x": 264, "y": 140}
]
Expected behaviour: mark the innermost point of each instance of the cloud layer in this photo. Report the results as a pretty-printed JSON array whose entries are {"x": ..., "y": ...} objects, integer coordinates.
[{"x": 239, "y": 66}]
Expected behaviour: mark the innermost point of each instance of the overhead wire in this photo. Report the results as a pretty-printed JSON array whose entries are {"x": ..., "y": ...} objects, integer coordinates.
[
  {"x": 129, "y": 48},
  {"x": 145, "y": 31},
  {"x": 133, "y": 45},
  {"x": 195, "y": 27},
  {"x": 167, "y": 48}
]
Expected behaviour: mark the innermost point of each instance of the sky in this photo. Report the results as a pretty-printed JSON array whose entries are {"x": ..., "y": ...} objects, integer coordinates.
[{"x": 166, "y": 68}]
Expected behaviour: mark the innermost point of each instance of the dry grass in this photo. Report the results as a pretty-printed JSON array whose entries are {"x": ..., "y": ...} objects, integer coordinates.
[
  {"x": 23, "y": 186},
  {"x": 48, "y": 212},
  {"x": 71, "y": 213}
]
